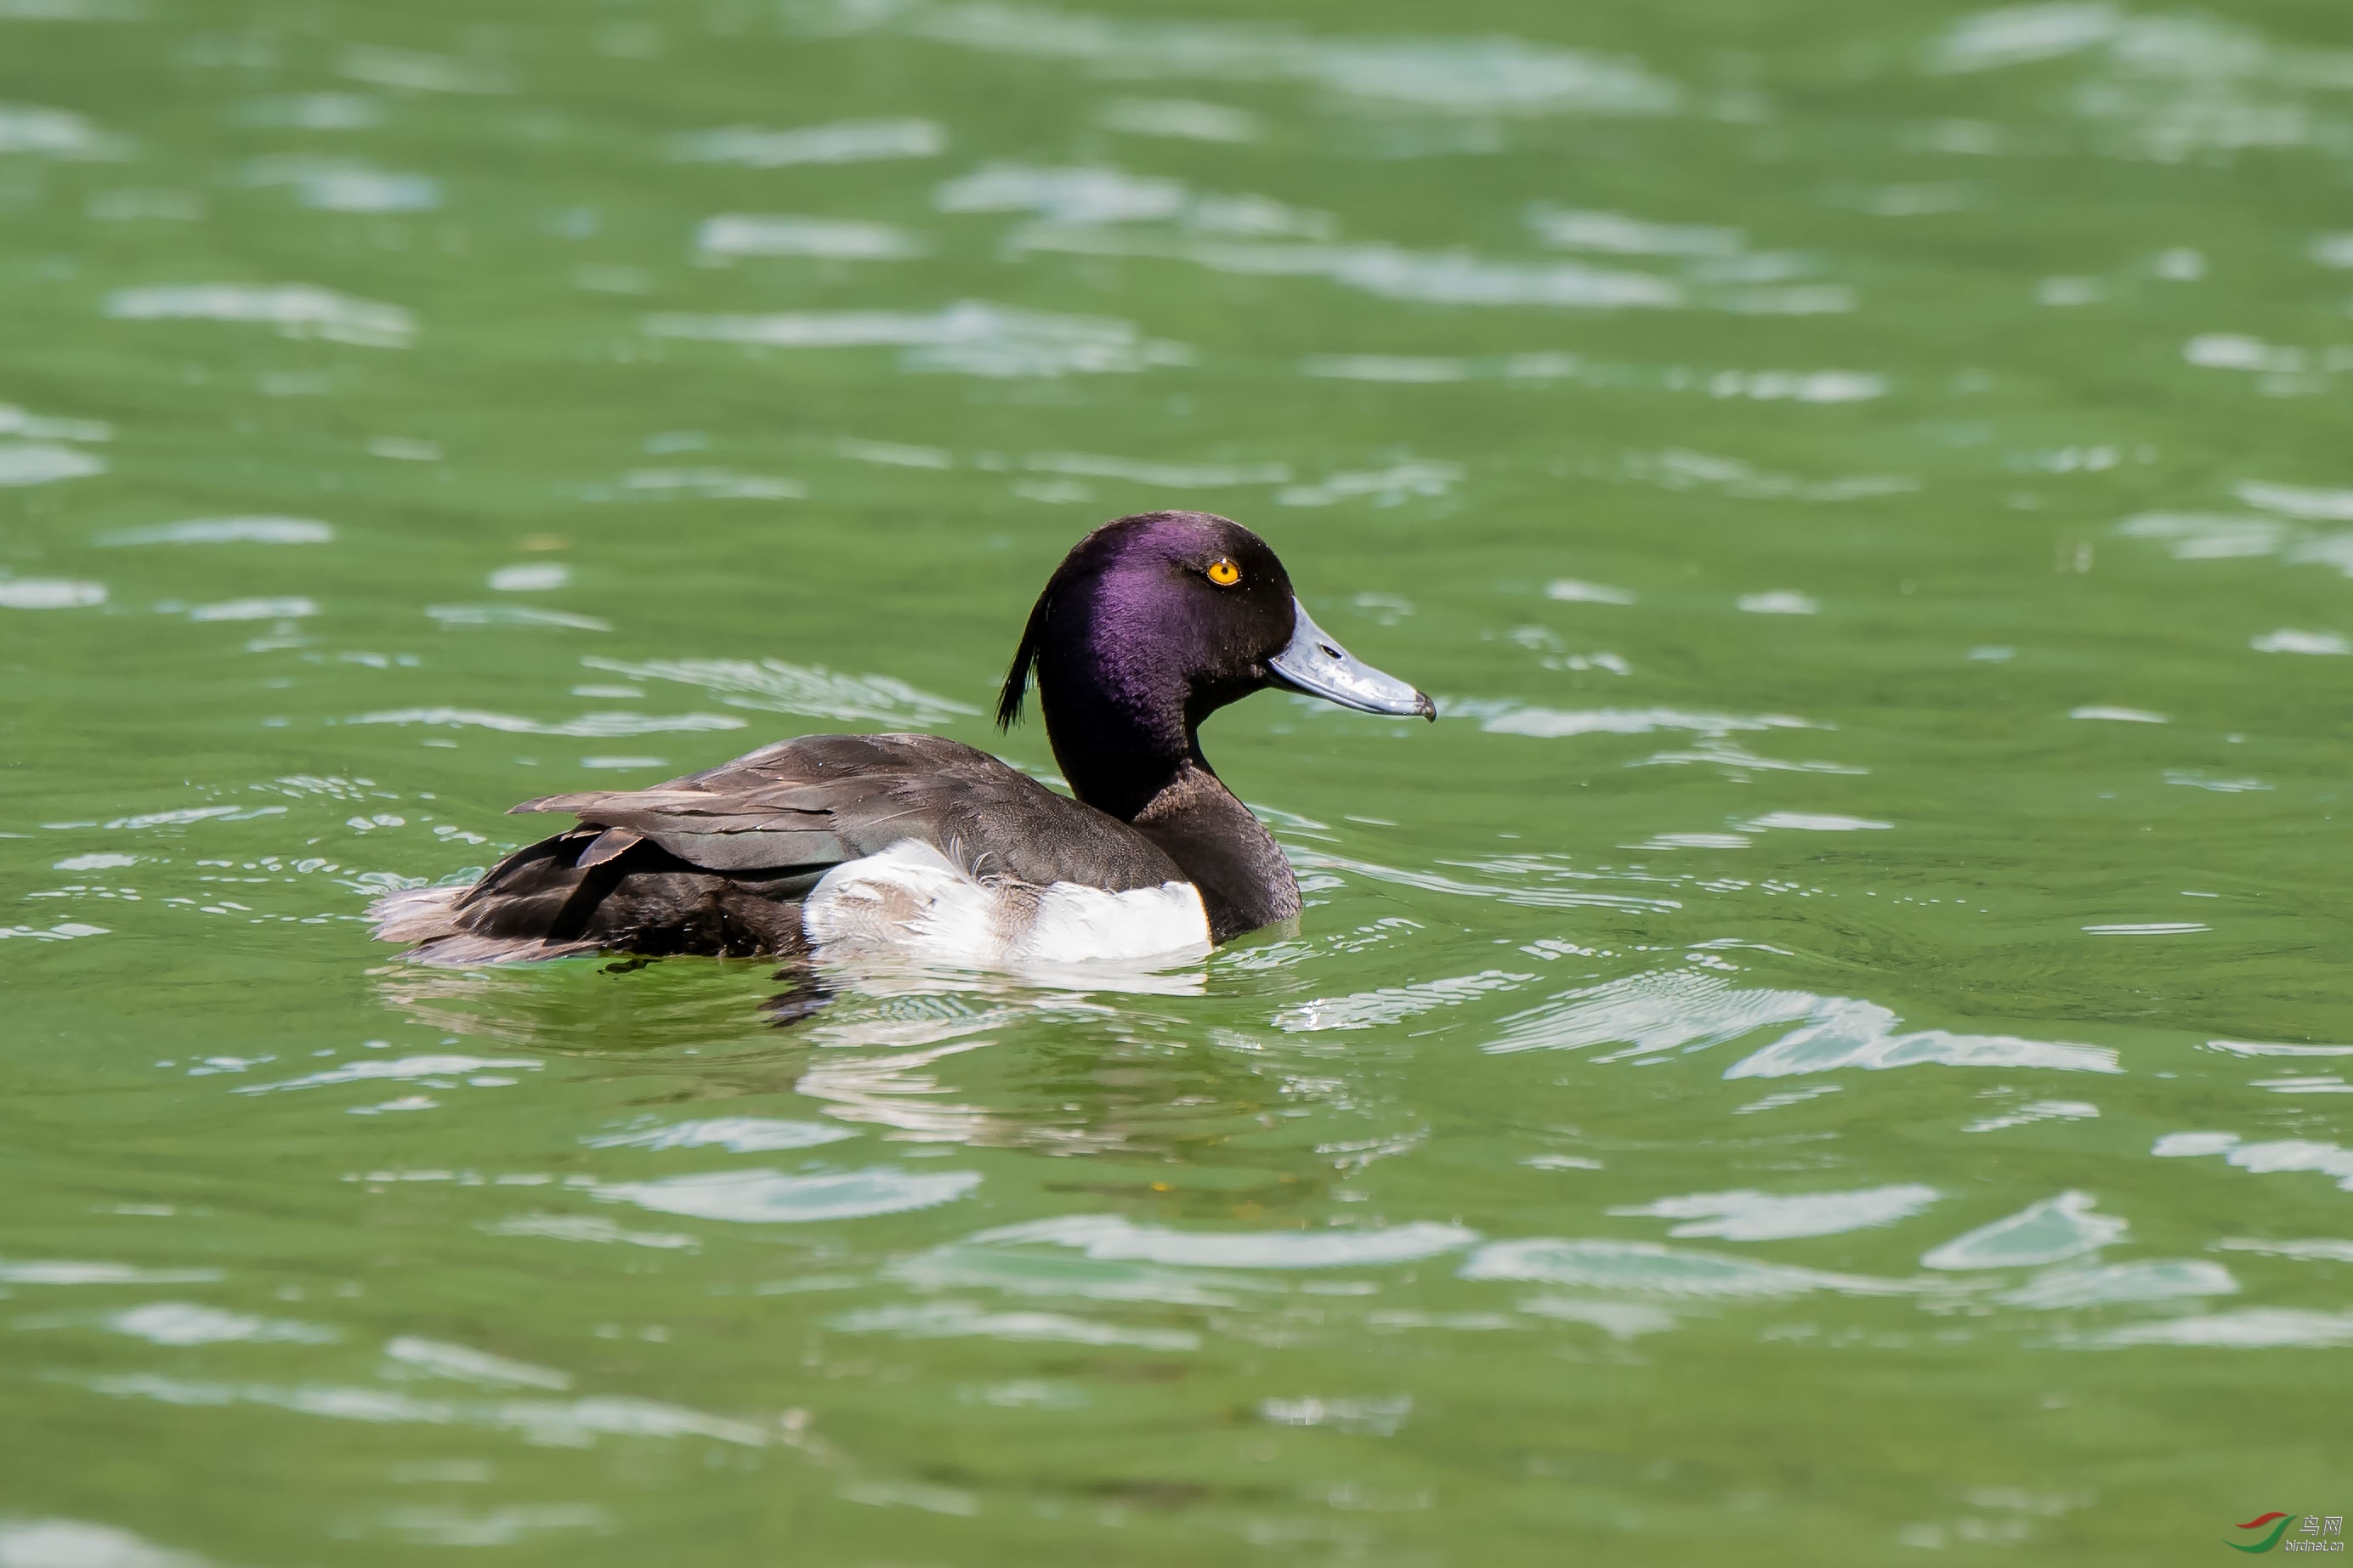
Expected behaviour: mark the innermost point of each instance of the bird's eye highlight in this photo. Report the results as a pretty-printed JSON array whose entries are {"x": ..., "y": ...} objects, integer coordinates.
[{"x": 1224, "y": 573}]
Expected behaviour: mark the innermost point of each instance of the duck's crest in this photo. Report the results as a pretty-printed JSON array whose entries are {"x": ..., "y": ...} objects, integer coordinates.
[{"x": 1025, "y": 658}]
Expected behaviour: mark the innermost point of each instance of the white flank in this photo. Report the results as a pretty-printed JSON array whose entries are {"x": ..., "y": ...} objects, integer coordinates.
[{"x": 912, "y": 900}]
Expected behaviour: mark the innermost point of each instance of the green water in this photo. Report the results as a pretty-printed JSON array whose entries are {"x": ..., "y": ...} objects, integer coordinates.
[{"x": 1869, "y": 486}]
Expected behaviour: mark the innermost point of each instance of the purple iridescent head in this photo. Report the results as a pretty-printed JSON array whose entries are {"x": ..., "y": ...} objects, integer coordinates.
[{"x": 1154, "y": 622}]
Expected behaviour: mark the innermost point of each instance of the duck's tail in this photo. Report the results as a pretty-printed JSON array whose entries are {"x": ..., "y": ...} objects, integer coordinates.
[
  {"x": 428, "y": 917},
  {"x": 415, "y": 914},
  {"x": 578, "y": 893}
]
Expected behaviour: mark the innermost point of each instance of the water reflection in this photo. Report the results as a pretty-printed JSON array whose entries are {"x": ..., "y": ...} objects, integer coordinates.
[{"x": 583, "y": 1007}]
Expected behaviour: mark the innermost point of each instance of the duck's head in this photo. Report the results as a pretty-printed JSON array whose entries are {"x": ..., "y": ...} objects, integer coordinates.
[{"x": 1154, "y": 622}]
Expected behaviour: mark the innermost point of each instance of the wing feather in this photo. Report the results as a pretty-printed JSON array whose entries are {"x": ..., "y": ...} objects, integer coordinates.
[{"x": 819, "y": 800}]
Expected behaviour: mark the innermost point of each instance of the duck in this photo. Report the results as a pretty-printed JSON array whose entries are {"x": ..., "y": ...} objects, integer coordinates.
[{"x": 920, "y": 846}]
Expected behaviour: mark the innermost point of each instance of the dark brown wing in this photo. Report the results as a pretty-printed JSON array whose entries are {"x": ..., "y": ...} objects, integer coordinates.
[{"x": 819, "y": 800}]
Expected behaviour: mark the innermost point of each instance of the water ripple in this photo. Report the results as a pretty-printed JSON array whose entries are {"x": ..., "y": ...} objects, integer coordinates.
[
  {"x": 185, "y": 1323},
  {"x": 1687, "y": 1010},
  {"x": 1112, "y": 1236},
  {"x": 1652, "y": 1268},
  {"x": 52, "y": 133},
  {"x": 296, "y": 309},
  {"x": 2262, "y": 1158},
  {"x": 972, "y": 337},
  {"x": 432, "y": 1358},
  {"x": 566, "y": 1423},
  {"x": 1371, "y": 1009},
  {"x": 737, "y": 1135},
  {"x": 2146, "y": 1279},
  {"x": 1086, "y": 197},
  {"x": 774, "y": 685},
  {"x": 1442, "y": 277},
  {"x": 2047, "y": 1232},
  {"x": 26, "y": 463},
  {"x": 957, "y": 1319},
  {"x": 843, "y": 141},
  {"x": 335, "y": 185},
  {"x": 771, "y": 1197},
  {"x": 834, "y": 239},
  {"x": 1553, "y": 723},
  {"x": 225, "y": 531},
  {"x": 72, "y": 1543},
  {"x": 593, "y": 725},
  {"x": 1748, "y": 1215},
  {"x": 1548, "y": 898},
  {"x": 1482, "y": 76},
  {"x": 2250, "y": 1328}
]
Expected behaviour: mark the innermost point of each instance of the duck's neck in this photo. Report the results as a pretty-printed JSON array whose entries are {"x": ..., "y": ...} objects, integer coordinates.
[
  {"x": 1223, "y": 850},
  {"x": 1131, "y": 751}
]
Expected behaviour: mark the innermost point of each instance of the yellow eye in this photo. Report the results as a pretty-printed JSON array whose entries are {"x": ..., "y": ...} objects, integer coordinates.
[{"x": 1224, "y": 573}]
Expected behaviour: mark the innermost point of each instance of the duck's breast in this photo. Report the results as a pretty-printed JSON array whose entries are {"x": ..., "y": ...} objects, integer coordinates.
[{"x": 913, "y": 900}]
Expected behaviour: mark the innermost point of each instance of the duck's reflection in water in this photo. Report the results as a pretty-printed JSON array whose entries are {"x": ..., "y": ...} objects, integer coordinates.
[
  {"x": 586, "y": 1006},
  {"x": 1070, "y": 1063}
]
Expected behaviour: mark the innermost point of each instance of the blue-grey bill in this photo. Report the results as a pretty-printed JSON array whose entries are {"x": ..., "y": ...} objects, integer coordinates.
[{"x": 1318, "y": 666}]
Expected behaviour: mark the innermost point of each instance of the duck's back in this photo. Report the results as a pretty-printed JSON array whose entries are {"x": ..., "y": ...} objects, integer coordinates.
[{"x": 898, "y": 840}]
